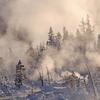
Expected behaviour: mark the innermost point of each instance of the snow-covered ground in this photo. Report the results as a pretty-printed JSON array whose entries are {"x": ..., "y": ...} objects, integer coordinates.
[{"x": 56, "y": 90}]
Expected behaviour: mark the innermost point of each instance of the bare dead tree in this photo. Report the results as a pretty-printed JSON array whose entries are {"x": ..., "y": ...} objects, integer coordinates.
[
  {"x": 48, "y": 74},
  {"x": 41, "y": 77},
  {"x": 92, "y": 80}
]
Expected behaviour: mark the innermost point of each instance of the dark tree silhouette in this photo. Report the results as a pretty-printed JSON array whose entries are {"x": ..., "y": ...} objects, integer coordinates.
[{"x": 19, "y": 74}]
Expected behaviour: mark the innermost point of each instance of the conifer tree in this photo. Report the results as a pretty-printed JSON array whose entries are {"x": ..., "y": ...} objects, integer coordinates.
[
  {"x": 58, "y": 39},
  {"x": 19, "y": 74},
  {"x": 51, "y": 37},
  {"x": 98, "y": 42},
  {"x": 85, "y": 35},
  {"x": 65, "y": 34}
]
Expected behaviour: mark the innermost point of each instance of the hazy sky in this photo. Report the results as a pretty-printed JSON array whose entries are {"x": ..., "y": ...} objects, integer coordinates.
[{"x": 38, "y": 15}]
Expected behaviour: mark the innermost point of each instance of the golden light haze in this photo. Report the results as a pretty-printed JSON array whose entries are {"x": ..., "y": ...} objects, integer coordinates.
[{"x": 38, "y": 15}]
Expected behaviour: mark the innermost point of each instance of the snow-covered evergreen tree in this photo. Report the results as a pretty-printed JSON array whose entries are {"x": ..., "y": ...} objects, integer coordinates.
[{"x": 19, "y": 74}]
